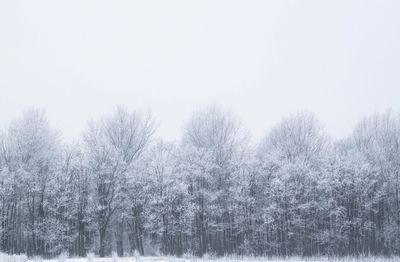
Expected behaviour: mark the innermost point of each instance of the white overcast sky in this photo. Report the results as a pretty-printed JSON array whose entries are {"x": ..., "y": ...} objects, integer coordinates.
[{"x": 262, "y": 59}]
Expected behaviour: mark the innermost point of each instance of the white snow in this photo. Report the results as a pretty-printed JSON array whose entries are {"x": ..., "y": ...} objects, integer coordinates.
[
  {"x": 13, "y": 258},
  {"x": 23, "y": 258},
  {"x": 173, "y": 259}
]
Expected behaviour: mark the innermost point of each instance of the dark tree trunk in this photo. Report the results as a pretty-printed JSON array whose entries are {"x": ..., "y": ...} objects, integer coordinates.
[
  {"x": 102, "y": 242},
  {"x": 120, "y": 239}
]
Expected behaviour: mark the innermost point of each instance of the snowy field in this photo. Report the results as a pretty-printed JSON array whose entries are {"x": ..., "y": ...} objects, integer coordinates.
[
  {"x": 170, "y": 259},
  {"x": 22, "y": 258}
]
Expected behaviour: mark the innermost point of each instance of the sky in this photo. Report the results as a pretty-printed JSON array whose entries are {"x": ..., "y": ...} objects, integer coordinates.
[{"x": 263, "y": 60}]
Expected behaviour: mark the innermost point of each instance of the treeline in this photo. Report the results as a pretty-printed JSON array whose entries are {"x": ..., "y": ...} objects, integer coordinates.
[{"x": 119, "y": 189}]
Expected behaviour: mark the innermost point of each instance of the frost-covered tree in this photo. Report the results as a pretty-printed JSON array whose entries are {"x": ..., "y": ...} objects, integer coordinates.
[
  {"x": 291, "y": 164},
  {"x": 72, "y": 225},
  {"x": 31, "y": 158},
  {"x": 296, "y": 193},
  {"x": 377, "y": 138},
  {"x": 168, "y": 208},
  {"x": 213, "y": 145},
  {"x": 111, "y": 146}
]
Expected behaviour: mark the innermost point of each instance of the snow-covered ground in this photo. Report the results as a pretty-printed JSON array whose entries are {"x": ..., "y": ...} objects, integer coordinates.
[
  {"x": 22, "y": 258},
  {"x": 171, "y": 259}
]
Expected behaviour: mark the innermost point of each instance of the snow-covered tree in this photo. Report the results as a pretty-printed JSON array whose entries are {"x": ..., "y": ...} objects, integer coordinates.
[
  {"x": 297, "y": 192},
  {"x": 31, "y": 157},
  {"x": 111, "y": 146},
  {"x": 213, "y": 146}
]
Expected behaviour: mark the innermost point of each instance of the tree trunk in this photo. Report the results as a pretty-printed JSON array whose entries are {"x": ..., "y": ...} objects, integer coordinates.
[
  {"x": 102, "y": 242},
  {"x": 120, "y": 239}
]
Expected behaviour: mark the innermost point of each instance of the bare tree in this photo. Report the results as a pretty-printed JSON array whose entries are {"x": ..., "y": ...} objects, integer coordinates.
[{"x": 299, "y": 135}]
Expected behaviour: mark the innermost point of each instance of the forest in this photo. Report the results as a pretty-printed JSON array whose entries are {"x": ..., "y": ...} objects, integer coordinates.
[{"x": 120, "y": 189}]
